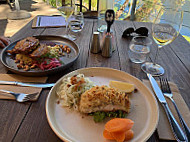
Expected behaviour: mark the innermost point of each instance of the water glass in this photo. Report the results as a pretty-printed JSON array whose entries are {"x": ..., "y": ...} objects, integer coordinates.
[
  {"x": 76, "y": 23},
  {"x": 139, "y": 49}
]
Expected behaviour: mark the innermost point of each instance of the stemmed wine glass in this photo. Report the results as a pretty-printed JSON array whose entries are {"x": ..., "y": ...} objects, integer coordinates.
[
  {"x": 66, "y": 11},
  {"x": 165, "y": 29}
]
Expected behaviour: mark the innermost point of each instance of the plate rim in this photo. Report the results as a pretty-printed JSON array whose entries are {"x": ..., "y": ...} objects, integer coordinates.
[
  {"x": 97, "y": 68},
  {"x": 40, "y": 72}
]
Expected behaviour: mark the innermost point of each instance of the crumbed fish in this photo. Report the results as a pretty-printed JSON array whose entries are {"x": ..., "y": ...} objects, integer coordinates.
[{"x": 103, "y": 98}]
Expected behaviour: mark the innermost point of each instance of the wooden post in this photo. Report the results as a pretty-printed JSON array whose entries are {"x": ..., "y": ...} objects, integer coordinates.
[
  {"x": 132, "y": 17},
  {"x": 63, "y": 2},
  {"x": 89, "y": 5},
  {"x": 80, "y": 5},
  {"x": 97, "y": 5}
]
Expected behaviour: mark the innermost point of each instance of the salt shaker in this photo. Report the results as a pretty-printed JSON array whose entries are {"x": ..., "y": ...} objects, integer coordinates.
[{"x": 95, "y": 46}]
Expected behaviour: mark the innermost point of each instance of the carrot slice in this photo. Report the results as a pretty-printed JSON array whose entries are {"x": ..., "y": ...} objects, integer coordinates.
[
  {"x": 118, "y": 136},
  {"x": 129, "y": 135},
  {"x": 107, "y": 135},
  {"x": 119, "y": 125}
]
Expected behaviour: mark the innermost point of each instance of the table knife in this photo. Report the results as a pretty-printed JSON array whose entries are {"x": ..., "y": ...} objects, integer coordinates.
[
  {"x": 40, "y": 85},
  {"x": 177, "y": 131}
]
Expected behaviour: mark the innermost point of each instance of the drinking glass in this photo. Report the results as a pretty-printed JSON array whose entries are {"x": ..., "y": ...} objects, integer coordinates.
[
  {"x": 76, "y": 24},
  {"x": 165, "y": 29},
  {"x": 66, "y": 11},
  {"x": 139, "y": 49}
]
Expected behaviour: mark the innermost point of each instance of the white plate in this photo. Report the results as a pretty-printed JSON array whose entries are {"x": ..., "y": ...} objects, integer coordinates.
[{"x": 71, "y": 126}]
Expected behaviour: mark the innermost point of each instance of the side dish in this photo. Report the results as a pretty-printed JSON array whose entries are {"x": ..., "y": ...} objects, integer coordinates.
[
  {"x": 70, "y": 90},
  {"x": 29, "y": 53},
  {"x": 119, "y": 129},
  {"x": 80, "y": 93}
]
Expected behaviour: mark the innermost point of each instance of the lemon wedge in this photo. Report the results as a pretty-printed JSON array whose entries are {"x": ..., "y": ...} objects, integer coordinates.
[{"x": 122, "y": 86}]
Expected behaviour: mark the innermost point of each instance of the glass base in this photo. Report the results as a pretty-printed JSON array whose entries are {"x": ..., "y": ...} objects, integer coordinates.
[
  {"x": 153, "y": 69},
  {"x": 71, "y": 37},
  {"x": 18, "y": 14},
  {"x": 103, "y": 28}
]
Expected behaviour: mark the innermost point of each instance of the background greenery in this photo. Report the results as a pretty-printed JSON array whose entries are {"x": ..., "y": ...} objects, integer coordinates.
[{"x": 144, "y": 8}]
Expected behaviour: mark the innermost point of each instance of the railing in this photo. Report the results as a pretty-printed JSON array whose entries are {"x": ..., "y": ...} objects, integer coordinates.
[{"x": 124, "y": 9}]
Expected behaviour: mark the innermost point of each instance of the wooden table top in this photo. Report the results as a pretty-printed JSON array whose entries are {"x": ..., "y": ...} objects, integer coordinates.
[{"x": 27, "y": 121}]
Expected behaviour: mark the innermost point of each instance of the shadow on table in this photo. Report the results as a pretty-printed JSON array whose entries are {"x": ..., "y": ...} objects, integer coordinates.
[
  {"x": 3, "y": 23},
  {"x": 26, "y": 5}
]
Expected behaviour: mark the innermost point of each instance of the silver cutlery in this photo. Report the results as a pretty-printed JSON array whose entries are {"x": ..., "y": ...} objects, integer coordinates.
[
  {"x": 21, "y": 97},
  {"x": 40, "y": 85},
  {"x": 177, "y": 131},
  {"x": 165, "y": 87}
]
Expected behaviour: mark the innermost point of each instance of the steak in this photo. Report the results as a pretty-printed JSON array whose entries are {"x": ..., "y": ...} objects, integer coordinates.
[
  {"x": 40, "y": 51},
  {"x": 25, "y": 46}
]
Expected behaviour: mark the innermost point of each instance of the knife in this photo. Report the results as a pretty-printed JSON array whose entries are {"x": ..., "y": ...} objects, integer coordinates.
[
  {"x": 177, "y": 131},
  {"x": 40, "y": 85}
]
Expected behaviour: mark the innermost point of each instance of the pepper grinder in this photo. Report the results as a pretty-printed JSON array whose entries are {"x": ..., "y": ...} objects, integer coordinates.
[{"x": 107, "y": 46}]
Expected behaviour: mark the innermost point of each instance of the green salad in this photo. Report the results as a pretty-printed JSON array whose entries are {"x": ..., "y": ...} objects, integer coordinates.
[{"x": 99, "y": 116}]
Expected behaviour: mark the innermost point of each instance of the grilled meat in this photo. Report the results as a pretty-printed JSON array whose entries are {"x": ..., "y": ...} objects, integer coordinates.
[
  {"x": 104, "y": 98},
  {"x": 40, "y": 51},
  {"x": 25, "y": 46}
]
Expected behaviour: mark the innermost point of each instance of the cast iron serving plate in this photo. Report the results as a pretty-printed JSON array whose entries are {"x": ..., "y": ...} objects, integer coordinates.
[{"x": 67, "y": 60}]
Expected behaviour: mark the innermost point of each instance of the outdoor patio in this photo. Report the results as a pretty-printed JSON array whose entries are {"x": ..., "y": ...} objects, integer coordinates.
[
  {"x": 35, "y": 7},
  {"x": 39, "y": 7},
  {"x": 40, "y": 68}
]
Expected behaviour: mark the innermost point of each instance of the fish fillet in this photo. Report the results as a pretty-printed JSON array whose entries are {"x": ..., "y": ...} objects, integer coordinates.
[{"x": 103, "y": 98}]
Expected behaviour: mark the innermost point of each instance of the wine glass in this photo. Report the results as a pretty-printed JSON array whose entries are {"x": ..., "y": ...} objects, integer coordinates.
[
  {"x": 165, "y": 29},
  {"x": 66, "y": 11}
]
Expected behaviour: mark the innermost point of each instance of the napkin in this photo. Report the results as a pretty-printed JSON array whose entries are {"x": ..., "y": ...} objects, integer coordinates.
[
  {"x": 163, "y": 128},
  {"x": 20, "y": 89}
]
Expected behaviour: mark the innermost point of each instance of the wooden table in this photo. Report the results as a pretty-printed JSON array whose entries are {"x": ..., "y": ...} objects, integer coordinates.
[{"x": 27, "y": 121}]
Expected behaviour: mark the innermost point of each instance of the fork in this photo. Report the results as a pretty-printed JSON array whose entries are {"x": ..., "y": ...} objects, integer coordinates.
[
  {"x": 21, "y": 97},
  {"x": 165, "y": 87}
]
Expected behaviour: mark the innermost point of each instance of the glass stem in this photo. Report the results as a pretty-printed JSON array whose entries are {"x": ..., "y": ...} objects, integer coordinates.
[
  {"x": 157, "y": 53},
  {"x": 67, "y": 27},
  {"x": 17, "y": 6}
]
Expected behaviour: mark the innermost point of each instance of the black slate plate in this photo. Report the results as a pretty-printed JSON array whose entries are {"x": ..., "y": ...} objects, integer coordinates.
[{"x": 67, "y": 60}]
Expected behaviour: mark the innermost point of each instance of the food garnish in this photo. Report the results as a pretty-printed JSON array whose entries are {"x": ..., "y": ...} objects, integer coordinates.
[
  {"x": 99, "y": 116},
  {"x": 122, "y": 86},
  {"x": 29, "y": 53},
  {"x": 118, "y": 129}
]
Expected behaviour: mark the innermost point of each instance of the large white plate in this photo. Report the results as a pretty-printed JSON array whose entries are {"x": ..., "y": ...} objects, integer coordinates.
[{"x": 73, "y": 127}]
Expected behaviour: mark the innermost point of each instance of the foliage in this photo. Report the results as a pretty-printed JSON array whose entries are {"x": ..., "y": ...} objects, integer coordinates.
[{"x": 187, "y": 38}]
